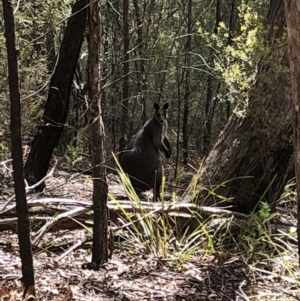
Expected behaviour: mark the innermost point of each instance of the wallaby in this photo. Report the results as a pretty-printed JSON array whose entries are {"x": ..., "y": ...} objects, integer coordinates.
[{"x": 141, "y": 159}]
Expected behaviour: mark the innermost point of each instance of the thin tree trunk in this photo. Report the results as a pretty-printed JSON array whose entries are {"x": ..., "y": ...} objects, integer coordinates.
[
  {"x": 228, "y": 105},
  {"x": 57, "y": 105},
  {"x": 178, "y": 122},
  {"x": 252, "y": 157},
  {"x": 51, "y": 56},
  {"x": 187, "y": 92},
  {"x": 210, "y": 99},
  {"x": 114, "y": 96},
  {"x": 125, "y": 99},
  {"x": 142, "y": 76},
  {"x": 207, "y": 134},
  {"x": 17, "y": 156},
  {"x": 100, "y": 243},
  {"x": 292, "y": 12}
]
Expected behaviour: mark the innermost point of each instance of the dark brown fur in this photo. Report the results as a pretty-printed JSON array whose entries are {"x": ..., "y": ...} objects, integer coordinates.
[{"x": 142, "y": 159}]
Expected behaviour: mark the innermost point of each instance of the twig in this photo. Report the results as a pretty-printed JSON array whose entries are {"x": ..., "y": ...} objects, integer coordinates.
[
  {"x": 17, "y": 7},
  {"x": 4, "y": 164},
  {"x": 47, "y": 202},
  {"x": 242, "y": 293},
  {"x": 57, "y": 219},
  {"x": 78, "y": 244},
  {"x": 29, "y": 188}
]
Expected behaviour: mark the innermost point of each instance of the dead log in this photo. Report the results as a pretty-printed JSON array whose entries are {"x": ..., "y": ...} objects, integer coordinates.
[{"x": 54, "y": 214}]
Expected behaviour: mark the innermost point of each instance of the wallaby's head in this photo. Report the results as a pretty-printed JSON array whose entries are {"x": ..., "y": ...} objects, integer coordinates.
[{"x": 161, "y": 113}]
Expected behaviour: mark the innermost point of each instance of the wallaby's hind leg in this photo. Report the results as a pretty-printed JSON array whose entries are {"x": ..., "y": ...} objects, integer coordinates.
[
  {"x": 157, "y": 184},
  {"x": 156, "y": 194}
]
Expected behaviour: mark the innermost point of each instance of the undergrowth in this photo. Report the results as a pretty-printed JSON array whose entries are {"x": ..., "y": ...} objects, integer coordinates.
[{"x": 176, "y": 238}]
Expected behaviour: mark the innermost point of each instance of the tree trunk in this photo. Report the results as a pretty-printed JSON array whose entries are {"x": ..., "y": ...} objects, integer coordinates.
[
  {"x": 100, "y": 243},
  {"x": 58, "y": 98},
  {"x": 252, "y": 157},
  {"x": 230, "y": 36},
  {"x": 178, "y": 130},
  {"x": 49, "y": 43},
  {"x": 141, "y": 74},
  {"x": 210, "y": 102},
  {"x": 17, "y": 156},
  {"x": 125, "y": 99},
  {"x": 292, "y": 12},
  {"x": 187, "y": 92},
  {"x": 112, "y": 30}
]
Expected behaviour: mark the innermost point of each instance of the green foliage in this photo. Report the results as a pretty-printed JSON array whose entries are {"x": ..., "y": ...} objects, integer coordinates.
[
  {"x": 34, "y": 21},
  {"x": 229, "y": 55},
  {"x": 237, "y": 53},
  {"x": 254, "y": 234},
  {"x": 289, "y": 196},
  {"x": 73, "y": 157},
  {"x": 158, "y": 233},
  {"x": 34, "y": 224}
]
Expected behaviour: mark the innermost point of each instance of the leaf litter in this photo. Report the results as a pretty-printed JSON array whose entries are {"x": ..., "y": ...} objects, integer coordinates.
[{"x": 129, "y": 276}]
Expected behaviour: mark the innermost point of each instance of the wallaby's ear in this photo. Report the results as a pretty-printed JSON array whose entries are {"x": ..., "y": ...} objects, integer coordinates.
[
  {"x": 165, "y": 106},
  {"x": 156, "y": 106}
]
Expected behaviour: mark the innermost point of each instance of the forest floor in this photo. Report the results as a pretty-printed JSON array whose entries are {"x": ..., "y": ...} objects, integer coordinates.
[{"x": 133, "y": 276}]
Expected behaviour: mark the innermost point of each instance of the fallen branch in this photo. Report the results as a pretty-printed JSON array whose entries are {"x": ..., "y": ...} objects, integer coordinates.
[
  {"x": 54, "y": 204},
  {"x": 64, "y": 205},
  {"x": 55, "y": 220},
  {"x": 66, "y": 210},
  {"x": 30, "y": 188},
  {"x": 76, "y": 245}
]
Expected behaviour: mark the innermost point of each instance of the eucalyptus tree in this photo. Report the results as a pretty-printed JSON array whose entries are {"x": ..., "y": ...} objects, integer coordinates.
[
  {"x": 17, "y": 155},
  {"x": 292, "y": 13},
  {"x": 96, "y": 129},
  {"x": 252, "y": 157}
]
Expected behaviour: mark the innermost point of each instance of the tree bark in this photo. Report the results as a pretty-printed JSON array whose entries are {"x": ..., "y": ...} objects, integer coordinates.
[
  {"x": 210, "y": 102},
  {"x": 252, "y": 157},
  {"x": 49, "y": 43},
  {"x": 100, "y": 242},
  {"x": 187, "y": 92},
  {"x": 125, "y": 97},
  {"x": 230, "y": 36},
  {"x": 17, "y": 156},
  {"x": 58, "y": 98},
  {"x": 292, "y": 12},
  {"x": 141, "y": 72}
]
